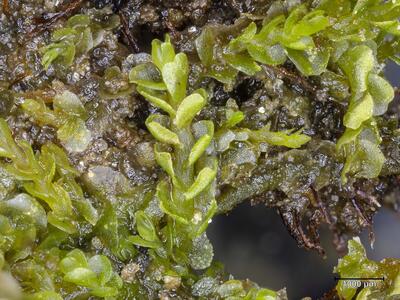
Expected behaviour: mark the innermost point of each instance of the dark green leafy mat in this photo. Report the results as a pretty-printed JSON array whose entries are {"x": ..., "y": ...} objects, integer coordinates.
[{"x": 114, "y": 161}]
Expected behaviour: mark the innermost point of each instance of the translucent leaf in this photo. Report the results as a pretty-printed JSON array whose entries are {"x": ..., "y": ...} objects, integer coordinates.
[
  {"x": 61, "y": 221},
  {"x": 269, "y": 27},
  {"x": 107, "y": 228},
  {"x": 349, "y": 136},
  {"x": 98, "y": 35},
  {"x": 224, "y": 139},
  {"x": 26, "y": 205},
  {"x": 167, "y": 205},
  {"x": 162, "y": 53},
  {"x": 337, "y": 85},
  {"x": 158, "y": 99},
  {"x": 138, "y": 241},
  {"x": 61, "y": 159},
  {"x": 49, "y": 56},
  {"x": 359, "y": 111},
  {"x": 269, "y": 55},
  {"x": 239, "y": 43},
  {"x": 311, "y": 62},
  {"x": 242, "y": 62},
  {"x": 68, "y": 54},
  {"x": 69, "y": 103},
  {"x": 233, "y": 119},
  {"x": 85, "y": 42},
  {"x": 74, "y": 135},
  {"x": 41, "y": 113},
  {"x": 294, "y": 17},
  {"x": 188, "y": 109},
  {"x": 162, "y": 133},
  {"x": 104, "y": 291},
  {"x": 164, "y": 159},
  {"x": 8, "y": 148},
  {"x": 74, "y": 259},
  {"x": 78, "y": 20},
  {"x": 364, "y": 157},
  {"x": 231, "y": 288},
  {"x": 266, "y": 294},
  {"x": 85, "y": 208},
  {"x": 302, "y": 43},
  {"x": 223, "y": 73},
  {"x": 201, "y": 144},
  {"x": 279, "y": 138},
  {"x": 382, "y": 93},
  {"x": 82, "y": 276},
  {"x": 63, "y": 51},
  {"x": 114, "y": 84},
  {"x": 205, "y": 46},
  {"x": 312, "y": 23},
  {"x": 30, "y": 168},
  {"x": 63, "y": 33},
  {"x": 203, "y": 180},
  {"x": 148, "y": 76},
  {"x": 368, "y": 160},
  {"x": 46, "y": 192},
  {"x": 102, "y": 267},
  {"x": 357, "y": 63},
  {"x": 145, "y": 227},
  {"x": 175, "y": 75}
]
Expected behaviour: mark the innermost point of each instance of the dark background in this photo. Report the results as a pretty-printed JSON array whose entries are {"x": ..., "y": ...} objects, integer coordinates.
[{"x": 253, "y": 243}]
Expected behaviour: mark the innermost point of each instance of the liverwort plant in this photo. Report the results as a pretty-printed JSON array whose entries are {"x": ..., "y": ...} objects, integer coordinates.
[
  {"x": 187, "y": 194},
  {"x": 80, "y": 35},
  {"x": 132, "y": 223},
  {"x": 48, "y": 176},
  {"x": 278, "y": 39},
  {"x": 318, "y": 41},
  {"x": 371, "y": 95},
  {"x": 68, "y": 116},
  {"x": 96, "y": 274}
]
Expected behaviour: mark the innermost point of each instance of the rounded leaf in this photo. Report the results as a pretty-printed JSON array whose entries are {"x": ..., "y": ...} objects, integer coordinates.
[
  {"x": 83, "y": 277},
  {"x": 27, "y": 206},
  {"x": 74, "y": 135},
  {"x": 382, "y": 93},
  {"x": 145, "y": 227},
  {"x": 157, "y": 98},
  {"x": 70, "y": 104},
  {"x": 359, "y": 111},
  {"x": 74, "y": 259},
  {"x": 162, "y": 133},
  {"x": 175, "y": 75},
  {"x": 147, "y": 75},
  {"x": 101, "y": 265},
  {"x": 189, "y": 107},
  {"x": 203, "y": 180}
]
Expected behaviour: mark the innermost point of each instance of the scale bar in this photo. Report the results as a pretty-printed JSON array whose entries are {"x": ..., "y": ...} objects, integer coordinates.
[{"x": 360, "y": 278}]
